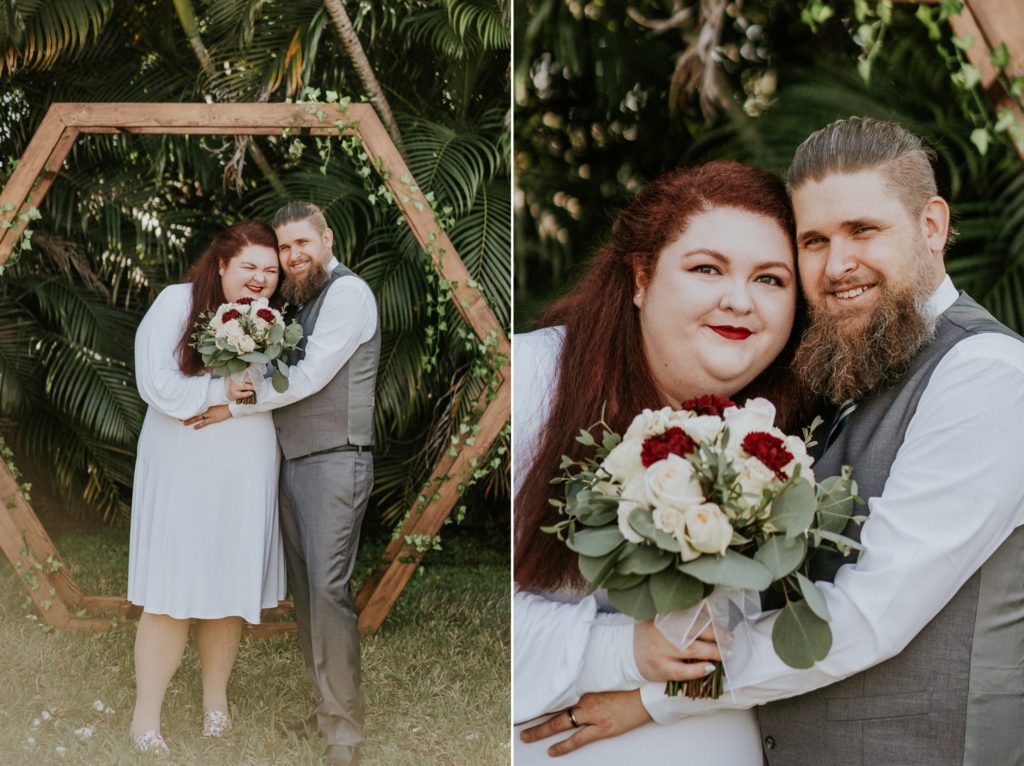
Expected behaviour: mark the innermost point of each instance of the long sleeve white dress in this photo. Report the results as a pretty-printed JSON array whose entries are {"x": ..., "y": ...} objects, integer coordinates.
[
  {"x": 565, "y": 644},
  {"x": 204, "y": 530}
]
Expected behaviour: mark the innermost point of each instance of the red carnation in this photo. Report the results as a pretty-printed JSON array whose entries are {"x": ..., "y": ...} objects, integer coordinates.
[
  {"x": 266, "y": 315},
  {"x": 770, "y": 450},
  {"x": 230, "y": 314},
  {"x": 674, "y": 441},
  {"x": 709, "y": 404},
  {"x": 245, "y": 301}
]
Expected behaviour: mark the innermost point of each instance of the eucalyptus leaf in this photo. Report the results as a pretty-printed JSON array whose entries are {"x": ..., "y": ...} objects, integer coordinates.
[
  {"x": 644, "y": 560},
  {"x": 279, "y": 382},
  {"x": 595, "y": 542},
  {"x": 603, "y": 511},
  {"x": 254, "y": 357},
  {"x": 800, "y": 637},
  {"x": 282, "y": 367},
  {"x": 293, "y": 334},
  {"x": 236, "y": 365},
  {"x": 276, "y": 334},
  {"x": 635, "y": 601},
  {"x": 840, "y": 540},
  {"x": 835, "y": 504},
  {"x": 733, "y": 569},
  {"x": 814, "y": 597},
  {"x": 781, "y": 555},
  {"x": 596, "y": 568},
  {"x": 673, "y": 591},
  {"x": 793, "y": 511},
  {"x": 618, "y": 581},
  {"x": 641, "y": 521}
]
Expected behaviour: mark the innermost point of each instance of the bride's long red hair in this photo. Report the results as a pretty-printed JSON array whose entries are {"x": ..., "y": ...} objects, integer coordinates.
[{"x": 602, "y": 362}]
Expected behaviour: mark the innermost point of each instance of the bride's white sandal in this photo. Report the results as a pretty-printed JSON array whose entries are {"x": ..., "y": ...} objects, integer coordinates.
[
  {"x": 216, "y": 723},
  {"x": 151, "y": 742}
]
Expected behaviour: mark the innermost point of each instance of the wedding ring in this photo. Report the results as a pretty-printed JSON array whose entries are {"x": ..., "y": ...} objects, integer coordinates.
[{"x": 572, "y": 718}]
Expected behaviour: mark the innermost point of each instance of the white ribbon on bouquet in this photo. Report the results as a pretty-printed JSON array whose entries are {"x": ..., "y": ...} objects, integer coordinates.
[{"x": 728, "y": 611}]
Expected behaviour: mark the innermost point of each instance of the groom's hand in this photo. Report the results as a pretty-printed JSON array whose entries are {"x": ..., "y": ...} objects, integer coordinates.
[
  {"x": 658, "y": 659},
  {"x": 215, "y": 414},
  {"x": 599, "y": 716}
]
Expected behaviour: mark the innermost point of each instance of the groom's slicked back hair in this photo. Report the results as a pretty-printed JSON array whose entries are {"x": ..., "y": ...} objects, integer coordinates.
[
  {"x": 300, "y": 211},
  {"x": 858, "y": 144}
]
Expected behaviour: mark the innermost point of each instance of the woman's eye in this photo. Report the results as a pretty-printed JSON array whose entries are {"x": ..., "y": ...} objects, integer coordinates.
[
  {"x": 865, "y": 229},
  {"x": 770, "y": 279},
  {"x": 706, "y": 268}
]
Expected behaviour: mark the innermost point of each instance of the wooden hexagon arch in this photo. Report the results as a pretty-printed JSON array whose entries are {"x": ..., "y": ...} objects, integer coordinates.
[{"x": 58, "y": 598}]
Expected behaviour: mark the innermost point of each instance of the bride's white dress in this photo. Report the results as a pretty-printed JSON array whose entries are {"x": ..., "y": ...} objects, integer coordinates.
[
  {"x": 204, "y": 529},
  {"x": 551, "y": 634}
]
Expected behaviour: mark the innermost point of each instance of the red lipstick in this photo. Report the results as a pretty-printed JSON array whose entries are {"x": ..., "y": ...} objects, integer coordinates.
[{"x": 732, "y": 333}]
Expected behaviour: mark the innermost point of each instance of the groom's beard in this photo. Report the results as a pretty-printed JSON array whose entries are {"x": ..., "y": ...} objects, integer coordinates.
[
  {"x": 304, "y": 289},
  {"x": 842, "y": 357}
]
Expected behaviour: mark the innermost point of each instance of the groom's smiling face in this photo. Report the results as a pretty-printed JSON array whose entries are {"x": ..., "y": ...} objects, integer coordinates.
[
  {"x": 301, "y": 248},
  {"x": 857, "y": 242}
]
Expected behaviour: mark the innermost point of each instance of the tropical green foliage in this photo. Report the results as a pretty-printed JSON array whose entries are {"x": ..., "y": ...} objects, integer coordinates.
[
  {"x": 599, "y": 113},
  {"x": 129, "y": 213}
]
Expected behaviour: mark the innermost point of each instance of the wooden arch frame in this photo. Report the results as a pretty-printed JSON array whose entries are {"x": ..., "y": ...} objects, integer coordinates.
[{"x": 51, "y": 586}]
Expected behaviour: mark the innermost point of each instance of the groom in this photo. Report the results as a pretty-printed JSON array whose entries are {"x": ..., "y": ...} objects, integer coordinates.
[
  {"x": 324, "y": 424},
  {"x": 927, "y": 662}
]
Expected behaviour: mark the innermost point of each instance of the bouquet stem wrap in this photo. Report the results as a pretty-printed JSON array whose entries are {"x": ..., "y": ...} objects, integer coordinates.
[
  {"x": 728, "y": 611},
  {"x": 255, "y": 372}
]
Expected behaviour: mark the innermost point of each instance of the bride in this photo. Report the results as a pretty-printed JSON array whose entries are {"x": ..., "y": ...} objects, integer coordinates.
[{"x": 694, "y": 293}]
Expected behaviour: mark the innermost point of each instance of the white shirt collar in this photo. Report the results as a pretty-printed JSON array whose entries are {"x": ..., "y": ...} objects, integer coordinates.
[
  {"x": 335, "y": 263},
  {"x": 943, "y": 297}
]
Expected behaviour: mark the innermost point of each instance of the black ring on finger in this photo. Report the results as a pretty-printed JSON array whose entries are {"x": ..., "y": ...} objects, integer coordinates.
[{"x": 572, "y": 718}]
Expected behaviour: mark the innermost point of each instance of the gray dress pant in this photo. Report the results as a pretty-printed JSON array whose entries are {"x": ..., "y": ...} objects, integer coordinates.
[{"x": 323, "y": 499}]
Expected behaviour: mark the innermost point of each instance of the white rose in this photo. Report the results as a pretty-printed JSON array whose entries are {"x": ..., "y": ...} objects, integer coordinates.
[
  {"x": 260, "y": 303},
  {"x": 755, "y": 415},
  {"x": 231, "y": 330},
  {"x": 671, "y": 482},
  {"x": 754, "y": 478},
  {"x": 799, "y": 450},
  {"x": 633, "y": 497},
  {"x": 702, "y": 428},
  {"x": 707, "y": 529},
  {"x": 623, "y": 462},
  {"x": 245, "y": 344},
  {"x": 667, "y": 519}
]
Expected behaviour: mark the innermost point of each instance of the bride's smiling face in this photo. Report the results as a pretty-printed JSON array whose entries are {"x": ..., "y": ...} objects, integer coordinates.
[
  {"x": 253, "y": 273},
  {"x": 719, "y": 305}
]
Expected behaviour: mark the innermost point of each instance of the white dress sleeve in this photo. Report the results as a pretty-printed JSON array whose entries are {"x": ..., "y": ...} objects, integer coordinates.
[
  {"x": 560, "y": 649},
  {"x": 162, "y": 384}
]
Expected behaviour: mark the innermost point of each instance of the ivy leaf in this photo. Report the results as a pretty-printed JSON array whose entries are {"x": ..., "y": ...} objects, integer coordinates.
[
  {"x": 980, "y": 138},
  {"x": 1000, "y": 57},
  {"x": 964, "y": 42}
]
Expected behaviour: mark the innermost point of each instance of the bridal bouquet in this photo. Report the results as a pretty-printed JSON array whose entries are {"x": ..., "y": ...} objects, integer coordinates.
[
  {"x": 246, "y": 334},
  {"x": 709, "y": 500}
]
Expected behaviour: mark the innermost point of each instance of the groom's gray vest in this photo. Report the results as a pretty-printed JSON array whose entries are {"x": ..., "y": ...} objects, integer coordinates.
[
  {"x": 341, "y": 413},
  {"x": 955, "y": 695}
]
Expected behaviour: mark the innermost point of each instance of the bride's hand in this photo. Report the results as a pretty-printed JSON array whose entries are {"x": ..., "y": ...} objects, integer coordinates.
[
  {"x": 236, "y": 391},
  {"x": 658, "y": 659},
  {"x": 597, "y": 716}
]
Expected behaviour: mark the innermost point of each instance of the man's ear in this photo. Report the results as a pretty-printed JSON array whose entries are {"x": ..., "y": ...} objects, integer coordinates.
[
  {"x": 328, "y": 236},
  {"x": 935, "y": 225}
]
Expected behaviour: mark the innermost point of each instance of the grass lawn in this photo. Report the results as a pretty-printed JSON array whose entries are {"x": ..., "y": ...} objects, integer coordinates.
[{"x": 436, "y": 676}]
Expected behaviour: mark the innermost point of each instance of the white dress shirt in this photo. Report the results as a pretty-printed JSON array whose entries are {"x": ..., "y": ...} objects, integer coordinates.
[
  {"x": 347, "y": 319},
  {"x": 954, "y": 494}
]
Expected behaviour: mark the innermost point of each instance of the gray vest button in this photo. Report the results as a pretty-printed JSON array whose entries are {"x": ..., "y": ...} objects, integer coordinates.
[{"x": 769, "y": 743}]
